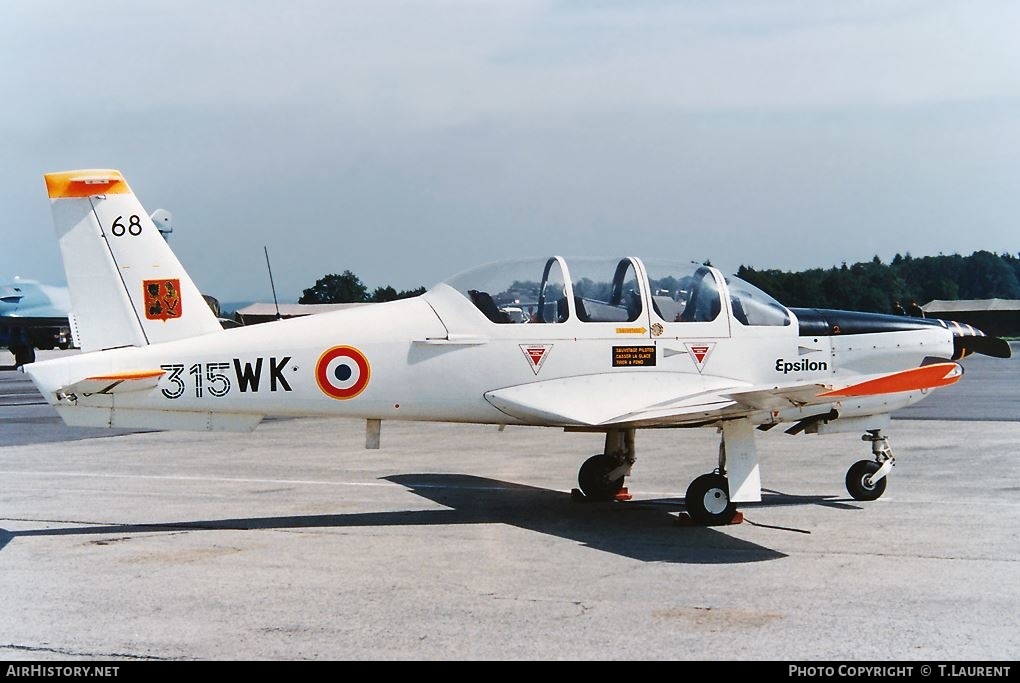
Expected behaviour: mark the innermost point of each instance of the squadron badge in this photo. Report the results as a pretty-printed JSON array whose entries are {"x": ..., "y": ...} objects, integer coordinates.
[{"x": 162, "y": 299}]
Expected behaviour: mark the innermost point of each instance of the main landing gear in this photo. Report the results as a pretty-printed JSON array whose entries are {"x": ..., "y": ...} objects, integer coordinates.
[
  {"x": 601, "y": 476},
  {"x": 708, "y": 500},
  {"x": 866, "y": 479},
  {"x": 711, "y": 498}
]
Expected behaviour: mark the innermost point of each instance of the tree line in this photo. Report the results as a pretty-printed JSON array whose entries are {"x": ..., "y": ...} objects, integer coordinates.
[
  {"x": 867, "y": 286},
  {"x": 876, "y": 287},
  {"x": 347, "y": 288}
]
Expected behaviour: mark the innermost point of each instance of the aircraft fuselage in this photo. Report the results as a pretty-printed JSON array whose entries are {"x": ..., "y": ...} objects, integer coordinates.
[{"x": 399, "y": 360}]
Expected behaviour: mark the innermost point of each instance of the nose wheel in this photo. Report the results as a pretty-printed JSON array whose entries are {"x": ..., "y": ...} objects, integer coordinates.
[
  {"x": 860, "y": 481},
  {"x": 708, "y": 500},
  {"x": 866, "y": 479}
]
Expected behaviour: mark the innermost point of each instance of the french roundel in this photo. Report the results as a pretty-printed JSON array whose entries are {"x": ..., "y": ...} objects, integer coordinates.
[{"x": 342, "y": 372}]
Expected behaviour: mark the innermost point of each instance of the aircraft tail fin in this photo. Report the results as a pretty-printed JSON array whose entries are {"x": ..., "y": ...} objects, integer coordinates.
[{"x": 127, "y": 286}]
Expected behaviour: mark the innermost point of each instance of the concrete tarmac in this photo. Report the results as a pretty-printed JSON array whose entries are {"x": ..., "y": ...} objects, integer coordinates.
[{"x": 461, "y": 542}]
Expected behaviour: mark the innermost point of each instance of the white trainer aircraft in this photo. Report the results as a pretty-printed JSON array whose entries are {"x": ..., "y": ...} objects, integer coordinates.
[{"x": 606, "y": 346}]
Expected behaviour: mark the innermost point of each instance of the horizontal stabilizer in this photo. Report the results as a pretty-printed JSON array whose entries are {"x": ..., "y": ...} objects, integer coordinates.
[
  {"x": 113, "y": 383},
  {"x": 915, "y": 379}
]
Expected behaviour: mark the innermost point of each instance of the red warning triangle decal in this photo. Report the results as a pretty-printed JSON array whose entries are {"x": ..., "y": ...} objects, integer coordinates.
[
  {"x": 700, "y": 352},
  {"x": 536, "y": 354}
]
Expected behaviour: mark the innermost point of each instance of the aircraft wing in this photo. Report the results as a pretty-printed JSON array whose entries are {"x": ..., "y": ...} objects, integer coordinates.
[
  {"x": 658, "y": 398},
  {"x": 609, "y": 398}
]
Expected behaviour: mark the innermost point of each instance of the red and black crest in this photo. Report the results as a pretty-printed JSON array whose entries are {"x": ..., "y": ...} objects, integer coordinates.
[{"x": 162, "y": 299}]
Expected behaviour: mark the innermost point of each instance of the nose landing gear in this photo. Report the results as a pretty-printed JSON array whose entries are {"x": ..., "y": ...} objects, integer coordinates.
[{"x": 866, "y": 479}]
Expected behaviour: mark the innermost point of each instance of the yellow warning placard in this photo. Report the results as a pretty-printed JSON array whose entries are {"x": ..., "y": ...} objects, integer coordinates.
[{"x": 633, "y": 356}]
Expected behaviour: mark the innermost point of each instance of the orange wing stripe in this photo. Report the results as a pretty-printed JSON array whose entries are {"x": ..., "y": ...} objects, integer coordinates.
[
  {"x": 123, "y": 376},
  {"x": 926, "y": 377},
  {"x": 85, "y": 183}
]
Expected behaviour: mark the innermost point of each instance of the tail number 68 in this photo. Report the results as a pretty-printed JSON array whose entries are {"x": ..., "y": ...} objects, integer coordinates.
[{"x": 133, "y": 227}]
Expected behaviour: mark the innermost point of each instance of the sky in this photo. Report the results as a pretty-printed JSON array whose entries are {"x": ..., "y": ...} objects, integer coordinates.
[{"x": 408, "y": 141}]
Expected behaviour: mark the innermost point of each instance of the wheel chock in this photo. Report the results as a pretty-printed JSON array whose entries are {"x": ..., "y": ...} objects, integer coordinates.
[
  {"x": 578, "y": 496},
  {"x": 684, "y": 519}
]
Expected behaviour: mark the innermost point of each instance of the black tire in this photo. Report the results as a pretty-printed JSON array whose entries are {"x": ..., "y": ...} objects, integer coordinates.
[
  {"x": 592, "y": 478},
  {"x": 23, "y": 355},
  {"x": 708, "y": 500},
  {"x": 856, "y": 484}
]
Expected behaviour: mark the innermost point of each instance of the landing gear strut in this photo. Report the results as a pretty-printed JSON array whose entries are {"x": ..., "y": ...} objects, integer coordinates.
[
  {"x": 601, "y": 476},
  {"x": 711, "y": 498},
  {"x": 866, "y": 479}
]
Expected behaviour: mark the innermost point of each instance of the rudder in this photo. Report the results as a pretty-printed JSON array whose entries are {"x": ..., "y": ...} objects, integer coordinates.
[{"x": 127, "y": 286}]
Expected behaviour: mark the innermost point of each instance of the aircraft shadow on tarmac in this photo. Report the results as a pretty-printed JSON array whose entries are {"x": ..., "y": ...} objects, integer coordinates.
[{"x": 642, "y": 530}]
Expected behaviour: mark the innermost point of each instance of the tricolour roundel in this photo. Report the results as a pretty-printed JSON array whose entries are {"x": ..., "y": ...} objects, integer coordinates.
[{"x": 342, "y": 372}]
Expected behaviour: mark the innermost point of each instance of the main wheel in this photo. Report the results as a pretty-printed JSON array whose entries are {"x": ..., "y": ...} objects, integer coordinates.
[
  {"x": 593, "y": 478},
  {"x": 858, "y": 481},
  {"x": 708, "y": 500}
]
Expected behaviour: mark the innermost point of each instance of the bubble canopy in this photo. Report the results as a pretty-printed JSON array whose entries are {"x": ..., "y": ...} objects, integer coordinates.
[{"x": 555, "y": 290}]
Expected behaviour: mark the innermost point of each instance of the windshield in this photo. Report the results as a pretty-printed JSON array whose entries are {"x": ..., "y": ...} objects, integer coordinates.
[{"x": 752, "y": 306}]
